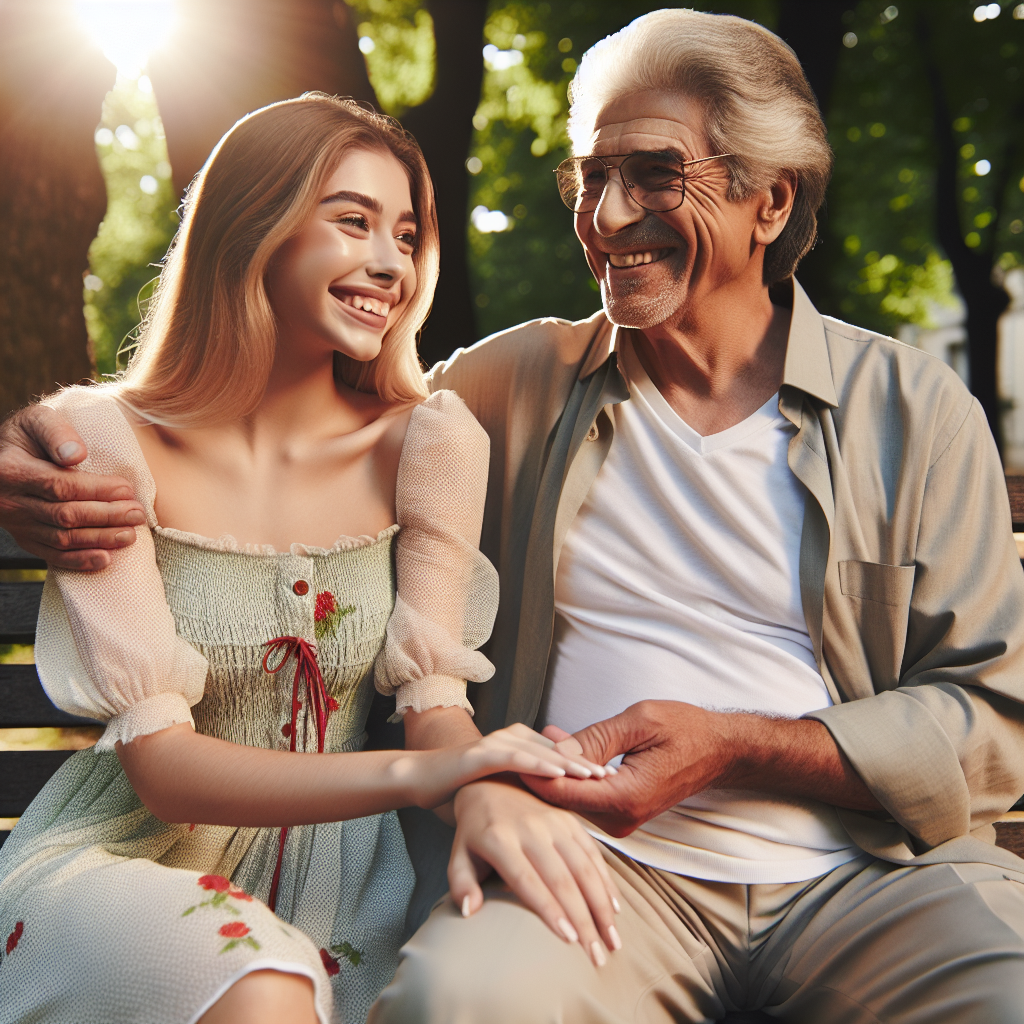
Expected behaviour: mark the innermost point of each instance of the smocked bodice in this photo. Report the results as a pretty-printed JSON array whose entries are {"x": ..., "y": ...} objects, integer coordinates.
[{"x": 230, "y": 604}]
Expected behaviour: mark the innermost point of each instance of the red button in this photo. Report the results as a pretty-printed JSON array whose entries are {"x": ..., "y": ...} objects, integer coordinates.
[{"x": 301, "y": 587}]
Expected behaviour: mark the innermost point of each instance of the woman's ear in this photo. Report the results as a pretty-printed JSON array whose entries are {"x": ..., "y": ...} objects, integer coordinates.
[{"x": 775, "y": 208}]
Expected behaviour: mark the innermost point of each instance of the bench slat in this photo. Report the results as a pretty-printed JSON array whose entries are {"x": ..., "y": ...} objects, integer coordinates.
[
  {"x": 22, "y": 774},
  {"x": 19, "y": 609},
  {"x": 1015, "y": 492},
  {"x": 24, "y": 704},
  {"x": 13, "y": 557}
]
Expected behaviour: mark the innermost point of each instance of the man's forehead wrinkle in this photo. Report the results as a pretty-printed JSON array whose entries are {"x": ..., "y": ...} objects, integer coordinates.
[{"x": 648, "y": 133}]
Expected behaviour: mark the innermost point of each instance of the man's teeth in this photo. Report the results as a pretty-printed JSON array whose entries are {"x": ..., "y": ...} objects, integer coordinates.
[
  {"x": 633, "y": 259},
  {"x": 365, "y": 302}
]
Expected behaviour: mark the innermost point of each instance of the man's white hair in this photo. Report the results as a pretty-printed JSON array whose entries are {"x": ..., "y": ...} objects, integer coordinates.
[{"x": 755, "y": 99}]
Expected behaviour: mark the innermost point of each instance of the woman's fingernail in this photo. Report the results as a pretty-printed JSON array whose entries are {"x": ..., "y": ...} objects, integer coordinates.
[
  {"x": 613, "y": 934},
  {"x": 134, "y": 517},
  {"x": 124, "y": 537},
  {"x": 580, "y": 772},
  {"x": 68, "y": 450},
  {"x": 465, "y": 906},
  {"x": 616, "y": 905},
  {"x": 611, "y": 769},
  {"x": 598, "y": 953},
  {"x": 567, "y": 930}
]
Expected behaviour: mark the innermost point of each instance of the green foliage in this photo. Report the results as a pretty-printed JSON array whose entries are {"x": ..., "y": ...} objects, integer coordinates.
[
  {"x": 887, "y": 268},
  {"x": 397, "y": 38},
  {"x": 138, "y": 225}
]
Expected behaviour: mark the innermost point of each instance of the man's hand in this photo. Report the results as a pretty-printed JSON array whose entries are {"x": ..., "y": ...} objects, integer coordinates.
[
  {"x": 543, "y": 854},
  {"x": 674, "y": 750},
  {"x": 69, "y": 518}
]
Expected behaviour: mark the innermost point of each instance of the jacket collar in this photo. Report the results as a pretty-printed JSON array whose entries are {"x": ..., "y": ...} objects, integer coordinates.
[{"x": 807, "y": 365}]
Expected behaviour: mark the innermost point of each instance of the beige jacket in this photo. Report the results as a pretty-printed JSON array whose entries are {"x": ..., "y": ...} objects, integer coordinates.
[{"x": 911, "y": 584}]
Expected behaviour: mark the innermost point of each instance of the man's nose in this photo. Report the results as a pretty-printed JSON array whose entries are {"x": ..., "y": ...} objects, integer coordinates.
[{"x": 616, "y": 209}]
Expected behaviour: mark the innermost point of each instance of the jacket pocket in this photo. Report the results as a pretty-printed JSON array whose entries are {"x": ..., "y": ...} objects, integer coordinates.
[
  {"x": 881, "y": 609},
  {"x": 874, "y": 581}
]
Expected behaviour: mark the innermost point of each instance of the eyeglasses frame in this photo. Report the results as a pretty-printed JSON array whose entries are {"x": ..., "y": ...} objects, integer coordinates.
[{"x": 603, "y": 160}]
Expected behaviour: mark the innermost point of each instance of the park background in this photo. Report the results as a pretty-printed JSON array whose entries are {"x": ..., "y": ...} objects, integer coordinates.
[{"x": 108, "y": 108}]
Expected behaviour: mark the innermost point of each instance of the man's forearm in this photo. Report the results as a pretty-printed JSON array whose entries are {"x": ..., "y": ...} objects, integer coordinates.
[
  {"x": 674, "y": 750},
  {"x": 791, "y": 758}
]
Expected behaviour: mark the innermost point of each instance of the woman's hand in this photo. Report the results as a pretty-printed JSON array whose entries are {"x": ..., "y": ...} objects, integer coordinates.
[
  {"x": 543, "y": 854},
  {"x": 517, "y": 748}
]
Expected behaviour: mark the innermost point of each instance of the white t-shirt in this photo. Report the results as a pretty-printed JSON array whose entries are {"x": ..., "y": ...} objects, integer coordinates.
[{"x": 678, "y": 580}]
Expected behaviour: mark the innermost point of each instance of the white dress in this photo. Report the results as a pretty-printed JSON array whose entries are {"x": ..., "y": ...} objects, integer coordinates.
[{"x": 109, "y": 915}]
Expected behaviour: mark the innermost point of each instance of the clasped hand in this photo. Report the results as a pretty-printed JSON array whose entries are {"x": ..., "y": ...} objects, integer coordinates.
[{"x": 672, "y": 750}]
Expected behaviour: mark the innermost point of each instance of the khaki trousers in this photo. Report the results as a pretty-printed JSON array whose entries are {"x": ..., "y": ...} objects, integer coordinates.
[{"x": 868, "y": 942}]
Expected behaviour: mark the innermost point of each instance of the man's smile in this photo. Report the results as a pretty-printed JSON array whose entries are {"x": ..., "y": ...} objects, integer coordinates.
[{"x": 634, "y": 259}]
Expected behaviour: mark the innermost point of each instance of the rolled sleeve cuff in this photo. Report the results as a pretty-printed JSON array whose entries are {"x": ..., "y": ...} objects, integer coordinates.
[
  {"x": 433, "y": 691},
  {"x": 906, "y": 760},
  {"x": 160, "y": 711}
]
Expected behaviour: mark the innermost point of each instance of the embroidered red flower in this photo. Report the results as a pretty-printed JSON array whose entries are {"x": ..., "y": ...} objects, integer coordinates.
[
  {"x": 234, "y": 930},
  {"x": 325, "y": 605},
  {"x": 218, "y": 883},
  {"x": 331, "y": 965},
  {"x": 15, "y": 936},
  {"x": 327, "y": 614},
  {"x": 240, "y": 894}
]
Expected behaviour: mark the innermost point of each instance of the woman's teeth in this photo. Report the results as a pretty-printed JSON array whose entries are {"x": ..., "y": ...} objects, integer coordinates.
[
  {"x": 634, "y": 259},
  {"x": 365, "y": 302}
]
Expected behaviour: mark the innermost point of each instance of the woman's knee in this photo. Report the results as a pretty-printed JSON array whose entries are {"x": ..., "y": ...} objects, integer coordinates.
[{"x": 265, "y": 997}]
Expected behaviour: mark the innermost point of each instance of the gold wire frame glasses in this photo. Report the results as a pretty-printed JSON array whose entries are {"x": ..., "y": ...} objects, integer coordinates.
[{"x": 654, "y": 181}]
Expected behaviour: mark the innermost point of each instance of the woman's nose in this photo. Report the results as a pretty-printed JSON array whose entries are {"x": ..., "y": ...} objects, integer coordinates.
[{"x": 385, "y": 262}]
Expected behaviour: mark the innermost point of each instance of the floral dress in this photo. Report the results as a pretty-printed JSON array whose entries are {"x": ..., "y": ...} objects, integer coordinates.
[{"x": 109, "y": 915}]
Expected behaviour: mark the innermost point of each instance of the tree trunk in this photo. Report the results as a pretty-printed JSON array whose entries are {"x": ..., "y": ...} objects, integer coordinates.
[
  {"x": 443, "y": 126},
  {"x": 985, "y": 301},
  {"x": 232, "y": 56},
  {"x": 814, "y": 29},
  {"x": 52, "y": 197}
]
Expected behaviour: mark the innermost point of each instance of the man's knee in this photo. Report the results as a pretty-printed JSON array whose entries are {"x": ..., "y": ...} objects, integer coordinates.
[{"x": 498, "y": 966}]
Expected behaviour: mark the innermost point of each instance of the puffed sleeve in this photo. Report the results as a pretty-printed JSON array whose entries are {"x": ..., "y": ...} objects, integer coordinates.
[
  {"x": 106, "y": 645},
  {"x": 447, "y": 590}
]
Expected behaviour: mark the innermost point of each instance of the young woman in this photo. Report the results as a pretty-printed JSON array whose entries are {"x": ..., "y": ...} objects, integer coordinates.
[{"x": 223, "y": 852}]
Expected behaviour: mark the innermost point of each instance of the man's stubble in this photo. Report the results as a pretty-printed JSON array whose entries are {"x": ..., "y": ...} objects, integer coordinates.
[{"x": 651, "y": 295}]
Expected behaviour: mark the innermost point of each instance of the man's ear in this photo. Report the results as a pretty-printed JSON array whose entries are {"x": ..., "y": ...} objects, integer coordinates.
[{"x": 775, "y": 208}]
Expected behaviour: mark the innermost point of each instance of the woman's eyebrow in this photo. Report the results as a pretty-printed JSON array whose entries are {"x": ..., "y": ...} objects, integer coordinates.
[
  {"x": 354, "y": 197},
  {"x": 368, "y": 201}
]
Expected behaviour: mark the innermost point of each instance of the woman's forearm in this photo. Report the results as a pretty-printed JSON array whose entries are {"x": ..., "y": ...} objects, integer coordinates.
[
  {"x": 183, "y": 776},
  {"x": 439, "y": 727}
]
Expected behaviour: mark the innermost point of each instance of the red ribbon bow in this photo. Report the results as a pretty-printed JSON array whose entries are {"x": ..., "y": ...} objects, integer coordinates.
[{"x": 318, "y": 700}]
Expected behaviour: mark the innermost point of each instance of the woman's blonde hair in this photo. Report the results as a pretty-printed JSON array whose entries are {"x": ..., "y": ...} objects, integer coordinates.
[
  {"x": 206, "y": 345},
  {"x": 755, "y": 98}
]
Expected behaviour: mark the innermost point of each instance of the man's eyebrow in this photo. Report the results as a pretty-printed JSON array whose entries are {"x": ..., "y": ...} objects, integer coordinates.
[{"x": 368, "y": 201}]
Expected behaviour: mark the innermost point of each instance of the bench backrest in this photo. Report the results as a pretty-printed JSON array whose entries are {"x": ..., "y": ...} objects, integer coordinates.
[{"x": 23, "y": 704}]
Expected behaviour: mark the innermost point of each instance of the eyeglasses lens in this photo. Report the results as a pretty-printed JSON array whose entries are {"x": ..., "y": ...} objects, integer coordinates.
[{"x": 654, "y": 180}]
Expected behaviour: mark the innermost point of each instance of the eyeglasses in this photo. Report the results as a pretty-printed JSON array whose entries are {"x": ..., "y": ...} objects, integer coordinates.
[{"x": 654, "y": 181}]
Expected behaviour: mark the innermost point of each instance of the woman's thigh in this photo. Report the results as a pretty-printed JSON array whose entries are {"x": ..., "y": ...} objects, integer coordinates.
[{"x": 109, "y": 940}]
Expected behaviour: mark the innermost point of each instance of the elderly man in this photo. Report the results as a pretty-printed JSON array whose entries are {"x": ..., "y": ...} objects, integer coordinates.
[{"x": 764, "y": 555}]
